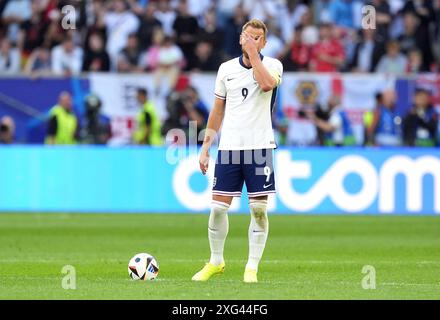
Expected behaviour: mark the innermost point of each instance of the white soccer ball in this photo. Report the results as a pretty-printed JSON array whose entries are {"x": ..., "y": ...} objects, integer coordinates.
[{"x": 143, "y": 266}]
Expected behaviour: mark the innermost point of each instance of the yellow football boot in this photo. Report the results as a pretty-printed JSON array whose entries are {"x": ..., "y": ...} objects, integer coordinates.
[
  {"x": 208, "y": 271},
  {"x": 250, "y": 276}
]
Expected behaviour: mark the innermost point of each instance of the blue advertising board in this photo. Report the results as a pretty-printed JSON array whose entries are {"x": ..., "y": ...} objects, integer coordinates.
[{"x": 137, "y": 179}]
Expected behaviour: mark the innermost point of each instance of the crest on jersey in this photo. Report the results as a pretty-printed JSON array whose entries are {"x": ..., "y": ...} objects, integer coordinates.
[{"x": 307, "y": 92}]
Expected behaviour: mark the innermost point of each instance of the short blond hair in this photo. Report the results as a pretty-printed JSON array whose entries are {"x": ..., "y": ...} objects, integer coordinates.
[{"x": 257, "y": 24}]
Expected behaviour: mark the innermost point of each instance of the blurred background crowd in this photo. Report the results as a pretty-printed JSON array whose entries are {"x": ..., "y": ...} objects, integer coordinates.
[
  {"x": 144, "y": 35},
  {"x": 169, "y": 37}
]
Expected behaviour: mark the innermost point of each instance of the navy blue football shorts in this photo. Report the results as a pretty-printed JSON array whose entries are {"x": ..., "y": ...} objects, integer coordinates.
[{"x": 253, "y": 167}]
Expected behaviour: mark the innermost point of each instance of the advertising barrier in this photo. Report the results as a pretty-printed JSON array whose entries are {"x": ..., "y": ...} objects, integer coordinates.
[
  {"x": 144, "y": 180},
  {"x": 29, "y": 100}
]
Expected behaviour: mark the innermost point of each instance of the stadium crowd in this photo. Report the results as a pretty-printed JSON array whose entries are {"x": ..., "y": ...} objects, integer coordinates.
[
  {"x": 168, "y": 37},
  {"x": 39, "y": 37}
]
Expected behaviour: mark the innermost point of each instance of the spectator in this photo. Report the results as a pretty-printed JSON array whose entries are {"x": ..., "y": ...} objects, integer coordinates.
[
  {"x": 166, "y": 16},
  {"x": 166, "y": 61},
  {"x": 66, "y": 58},
  {"x": 322, "y": 11},
  {"x": 341, "y": 13},
  {"x": 415, "y": 62},
  {"x": 408, "y": 38},
  {"x": 206, "y": 59},
  {"x": 129, "y": 58},
  {"x": 226, "y": 10},
  {"x": 96, "y": 58},
  {"x": 368, "y": 118},
  {"x": 137, "y": 6},
  {"x": 186, "y": 29},
  {"x": 196, "y": 8},
  {"x": 211, "y": 32},
  {"x": 147, "y": 26},
  {"x": 310, "y": 32},
  {"x": 233, "y": 31},
  {"x": 32, "y": 31},
  {"x": 9, "y": 58},
  {"x": 383, "y": 18},
  {"x": 184, "y": 107},
  {"x": 298, "y": 53},
  {"x": 290, "y": 15},
  {"x": 62, "y": 125},
  {"x": 274, "y": 45},
  {"x": 436, "y": 40},
  {"x": 96, "y": 25},
  {"x": 148, "y": 126},
  {"x": 413, "y": 37},
  {"x": 7, "y": 130},
  {"x": 55, "y": 34},
  {"x": 194, "y": 110},
  {"x": 367, "y": 52},
  {"x": 120, "y": 23},
  {"x": 385, "y": 127},
  {"x": 301, "y": 130},
  {"x": 424, "y": 11},
  {"x": 15, "y": 13},
  {"x": 264, "y": 10},
  {"x": 328, "y": 54},
  {"x": 420, "y": 124},
  {"x": 393, "y": 62},
  {"x": 95, "y": 128},
  {"x": 337, "y": 130},
  {"x": 150, "y": 58},
  {"x": 39, "y": 63}
]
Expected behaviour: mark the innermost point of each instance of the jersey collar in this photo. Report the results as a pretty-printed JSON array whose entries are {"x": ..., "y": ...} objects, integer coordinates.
[{"x": 240, "y": 59}]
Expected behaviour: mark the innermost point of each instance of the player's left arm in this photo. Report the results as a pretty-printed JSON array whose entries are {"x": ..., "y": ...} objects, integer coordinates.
[{"x": 267, "y": 79}]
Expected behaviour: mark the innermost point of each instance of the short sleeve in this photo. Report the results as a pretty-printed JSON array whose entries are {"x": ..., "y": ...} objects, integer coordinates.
[
  {"x": 220, "y": 88},
  {"x": 276, "y": 71}
]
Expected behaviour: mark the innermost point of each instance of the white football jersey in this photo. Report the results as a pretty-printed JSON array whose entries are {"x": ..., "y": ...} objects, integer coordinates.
[{"x": 248, "y": 112}]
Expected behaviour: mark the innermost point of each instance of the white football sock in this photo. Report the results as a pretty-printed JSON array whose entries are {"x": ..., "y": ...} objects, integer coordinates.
[
  {"x": 218, "y": 230},
  {"x": 258, "y": 232}
]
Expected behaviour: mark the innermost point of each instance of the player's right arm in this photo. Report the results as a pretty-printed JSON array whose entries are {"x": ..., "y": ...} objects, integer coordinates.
[
  {"x": 215, "y": 118},
  {"x": 212, "y": 128}
]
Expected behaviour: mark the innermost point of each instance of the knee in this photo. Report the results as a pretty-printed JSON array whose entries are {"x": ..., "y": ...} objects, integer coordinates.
[
  {"x": 259, "y": 211},
  {"x": 218, "y": 213}
]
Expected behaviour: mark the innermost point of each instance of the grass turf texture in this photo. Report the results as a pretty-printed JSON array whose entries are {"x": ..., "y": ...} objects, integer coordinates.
[{"x": 307, "y": 257}]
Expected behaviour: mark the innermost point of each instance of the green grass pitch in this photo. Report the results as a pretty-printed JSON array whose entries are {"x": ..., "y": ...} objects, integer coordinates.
[{"x": 307, "y": 257}]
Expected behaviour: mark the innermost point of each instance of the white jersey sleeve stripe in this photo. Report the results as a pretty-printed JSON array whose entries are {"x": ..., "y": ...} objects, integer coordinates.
[{"x": 219, "y": 96}]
